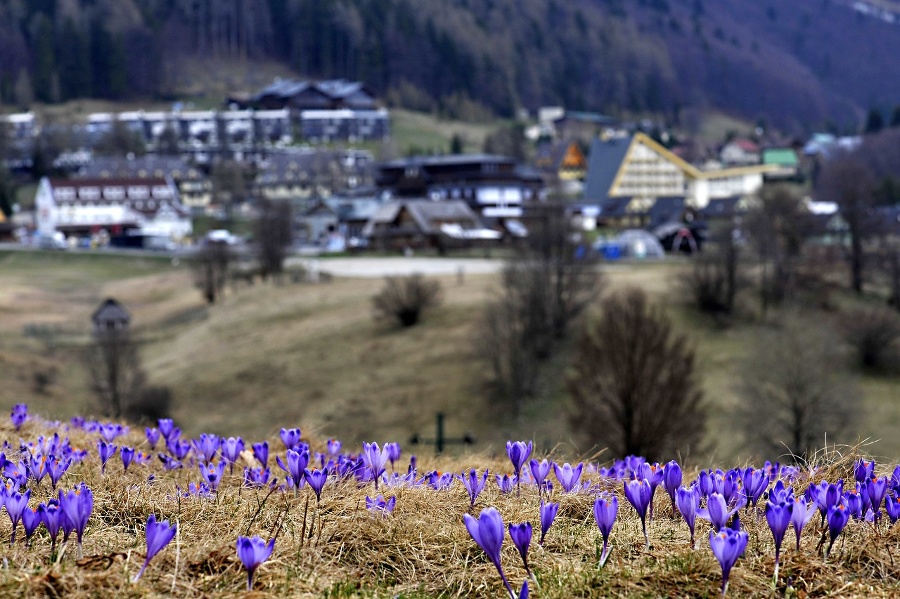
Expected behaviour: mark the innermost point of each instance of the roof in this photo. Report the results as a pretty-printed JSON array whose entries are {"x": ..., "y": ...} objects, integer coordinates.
[
  {"x": 446, "y": 160},
  {"x": 780, "y": 157},
  {"x": 427, "y": 214},
  {"x": 721, "y": 207},
  {"x": 603, "y": 164},
  {"x": 110, "y": 310},
  {"x": 745, "y": 144}
]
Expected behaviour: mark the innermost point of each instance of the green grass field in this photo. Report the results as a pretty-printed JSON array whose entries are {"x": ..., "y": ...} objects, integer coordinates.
[{"x": 313, "y": 355}]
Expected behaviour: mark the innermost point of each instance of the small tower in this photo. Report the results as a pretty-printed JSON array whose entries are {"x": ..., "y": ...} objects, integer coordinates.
[{"x": 109, "y": 317}]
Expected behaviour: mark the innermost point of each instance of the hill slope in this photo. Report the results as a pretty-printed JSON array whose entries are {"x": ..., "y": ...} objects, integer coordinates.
[{"x": 793, "y": 64}]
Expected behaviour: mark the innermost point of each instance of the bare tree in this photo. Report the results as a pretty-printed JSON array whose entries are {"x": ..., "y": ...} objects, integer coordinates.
[
  {"x": 229, "y": 187},
  {"x": 210, "y": 265},
  {"x": 793, "y": 393},
  {"x": 114, "y": 367},
  {"x": 849, "y": 182},
  {"x": 405, "y": 298},
  {"x": 272, "y": 235},
  {"x": 778, "y": 225},
  {"x": 633, "y": 382},
  {"x": 716, "y": 275},
  {"x": 872, "y": 333},
  {"x": 546, "y": 285}
]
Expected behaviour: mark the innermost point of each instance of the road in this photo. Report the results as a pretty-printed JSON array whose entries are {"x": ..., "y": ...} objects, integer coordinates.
[{"x": 375, "y": 267}]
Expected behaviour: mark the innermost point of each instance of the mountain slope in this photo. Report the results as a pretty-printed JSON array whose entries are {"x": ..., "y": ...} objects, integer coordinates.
[{"x": 795, "y": 64}]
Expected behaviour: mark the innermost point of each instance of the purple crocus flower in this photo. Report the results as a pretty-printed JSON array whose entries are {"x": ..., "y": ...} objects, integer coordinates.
[
  {"x": 863, "y": 470},
  {"x": 688, "y": 501},
  {"x": 717, "y": 511},
  {"x": 755, "y": 484},
  {"x": 253, "y": 552},
  {"x": 380, "y": 505},
  {"x": 106, "y": 451},
  {"x": 127, "y": 454},
  {"x": 892, "y": 507},
  {"x": 876, "y": 489},
  {"x": 518, "y": 453},
  {"x": 37, "y": 466},
  {"x": 110, "y": 431},
  {"x": 473, "y": 484},
  {"x": 179, "y": 449},
  {"x": 159, "y": 534},
  {"x": 77, "y": 506},
  {"x": 290, "y": 437},
  {"x": 838, "y": 516},
  {"x": 505, "y": 482},
  {"x": 539, "y": 470},
  {"x": 261, "y": 452},
  {"x": 296, "y": 462},
  {"x": 488, "y": 532},
  {"x": 521, "y": 538},
  {"x": 51, "y": 515},
  {"x": 778, "y": 516},
  {"x": 166, "y": 427},
  {"x": 826, "y": 495},
  {"x": 801, "y": 514},
  {"x": 206, "y": 447},
  {"x": 31, "y": 519},
  {"x": 672, "y": 478},
  {"x": 375, "y": 459},
  {"x": 212, "y": 474},
  {"x": 316, "y": 480},
  {"x": 231, "y": 450},
  {"x": 640, "y": 495},
  {"x": 16, "y": 503},
  {"x": 727, "y": 545},
  {"x": 257, "y": 477},
  {"x": 548, "y": 515},
  {"x": 606, "y": 507},
  {"x": 393, "y": 452},
  {"x": 333, "y": 447},
  {"x": 19, "y": 415},
  {"x": 568, "y": 476},
  {"x": 152, "y": 435}
]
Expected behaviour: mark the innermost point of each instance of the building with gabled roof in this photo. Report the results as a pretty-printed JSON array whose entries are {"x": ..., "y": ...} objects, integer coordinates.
[
  {"x": 639, "y": 167},
  {"x": 83, "y": 207}
]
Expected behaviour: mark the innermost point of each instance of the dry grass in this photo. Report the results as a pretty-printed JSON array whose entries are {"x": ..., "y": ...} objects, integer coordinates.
[{"x": 338, "y": 549}]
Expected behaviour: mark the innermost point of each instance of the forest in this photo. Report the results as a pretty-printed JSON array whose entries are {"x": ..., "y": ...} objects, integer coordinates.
[{"x": 796, "y": 65}]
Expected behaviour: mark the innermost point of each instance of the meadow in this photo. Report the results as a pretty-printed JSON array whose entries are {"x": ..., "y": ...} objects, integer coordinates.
[{"x": 313, "y": 354}]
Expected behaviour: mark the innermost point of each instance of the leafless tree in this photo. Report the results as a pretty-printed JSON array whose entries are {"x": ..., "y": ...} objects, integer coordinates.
[
  {"x": 272, "y": 236},
  {"x": 778, "y": 225},
  {"x": 633, "y": 381},
  {"x": 716, "y": 275},
  {"x": 230, "y": 187},
  {"x": 849, "y": 182},
  {"x": 793, "y": 393},
  {"x": 114, "y": 367},
  {"x": 872, "y": 333},
  {"x": 545, "y": 286},
  {"x": 210, "y": 265},
  {"x": 405, "y": 298}
]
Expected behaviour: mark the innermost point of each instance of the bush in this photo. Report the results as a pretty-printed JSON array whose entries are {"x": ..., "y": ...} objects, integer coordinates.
[
  {"x": 872, "y": 334},
  {"x": 794, "y": 395},
  {"x": 404, "y": 298},
  {"x": 633, "y": 382},
  {"x": 151, "y": 404},
  {"x": 715, "y": 277}
]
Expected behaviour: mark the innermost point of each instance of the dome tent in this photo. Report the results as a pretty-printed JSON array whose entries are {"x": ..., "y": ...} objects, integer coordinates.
[{"x": 637, "y": 243}]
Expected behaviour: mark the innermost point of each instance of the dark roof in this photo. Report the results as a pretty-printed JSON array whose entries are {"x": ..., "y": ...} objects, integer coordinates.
[
  {"x": 110, "y": 311},
  {"x": 448, "y": 159},
  {"x": 141, "y": 167},
  {"x": 664, "y": 210},
  {"x": 427, "y": 214},
  {"x": 603, "y": 163},
  {"x": 721, "y": 207},
  {"x": 614, "y": 207}
]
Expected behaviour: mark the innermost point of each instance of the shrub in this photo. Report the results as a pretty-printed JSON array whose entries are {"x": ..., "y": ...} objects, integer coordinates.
[
  {"x": 872, "y": 334},
  {"x": 151, "y": 404},
  {"x": 633, "y": 382},
  {"x": 404, "y": 298}
]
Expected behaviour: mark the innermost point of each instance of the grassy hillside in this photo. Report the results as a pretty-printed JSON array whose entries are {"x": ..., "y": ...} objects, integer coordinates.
[{"x": 312, "y": 355}]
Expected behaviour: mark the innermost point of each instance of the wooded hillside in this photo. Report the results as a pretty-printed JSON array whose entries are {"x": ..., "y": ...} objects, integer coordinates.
[{"x": 794, "y": 64}]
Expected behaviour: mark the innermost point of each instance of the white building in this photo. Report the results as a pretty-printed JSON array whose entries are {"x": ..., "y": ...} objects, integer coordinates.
[{"x": 83, "y": 207}]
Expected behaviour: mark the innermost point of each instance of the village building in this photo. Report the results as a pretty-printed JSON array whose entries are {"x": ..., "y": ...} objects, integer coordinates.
[{"x": 127, "y": 208}]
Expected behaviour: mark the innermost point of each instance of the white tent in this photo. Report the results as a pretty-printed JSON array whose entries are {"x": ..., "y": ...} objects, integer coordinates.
[{"x": 637, "y": 243}]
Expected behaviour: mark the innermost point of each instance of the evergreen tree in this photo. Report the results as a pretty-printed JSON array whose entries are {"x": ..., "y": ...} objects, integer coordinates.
[
  {"x": 874, "y": 121},
  {"x": 44, "y": 61}
]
